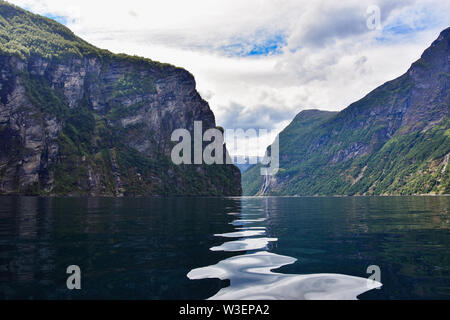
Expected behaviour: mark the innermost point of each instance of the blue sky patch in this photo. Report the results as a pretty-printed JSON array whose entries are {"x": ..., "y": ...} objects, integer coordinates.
[
  {"x": 261, "y": 44},
  {"x": 390, "y": 33},
  {"x": 421, "y": 20},
  {"x": 60, "y": 19}
]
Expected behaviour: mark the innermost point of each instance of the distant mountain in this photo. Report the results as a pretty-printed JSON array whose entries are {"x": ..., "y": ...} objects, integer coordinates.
[
  {"x": 78, "y": 120},
  {"x": 394, "y": 141},
  {"x": 249, "y": 161}
]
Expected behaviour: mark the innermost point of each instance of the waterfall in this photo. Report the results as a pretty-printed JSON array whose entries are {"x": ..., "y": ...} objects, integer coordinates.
[{"x": 265, "y": 186}]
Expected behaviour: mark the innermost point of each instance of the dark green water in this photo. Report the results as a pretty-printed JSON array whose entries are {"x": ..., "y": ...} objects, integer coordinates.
[{"x": 147, "y": 248}]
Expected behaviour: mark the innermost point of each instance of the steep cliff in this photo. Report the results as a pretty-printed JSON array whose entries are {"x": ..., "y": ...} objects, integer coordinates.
[
  {"x": 78, "y": 120},
  {"x": 396, "y": 140}
]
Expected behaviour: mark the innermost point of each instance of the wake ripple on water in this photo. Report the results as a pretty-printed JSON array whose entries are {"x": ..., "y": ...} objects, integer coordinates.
[{"x": 251, "y": 276}]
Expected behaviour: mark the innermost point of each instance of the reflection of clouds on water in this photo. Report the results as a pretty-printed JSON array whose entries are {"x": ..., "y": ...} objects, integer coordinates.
[
  {"x": 252, "y": 228},
  {"x": 251, "y": 276},
  {"x": 241, "y": 234},
  {"x": 242, "y": 222},
  {"x": 244, "y": 244},
  {"x": 251, "y": 279}
]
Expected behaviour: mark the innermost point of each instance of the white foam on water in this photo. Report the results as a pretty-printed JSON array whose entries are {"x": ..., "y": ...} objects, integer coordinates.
[
  {"x": 251, "y": 278},
  {"x": 244, "y": 244}
]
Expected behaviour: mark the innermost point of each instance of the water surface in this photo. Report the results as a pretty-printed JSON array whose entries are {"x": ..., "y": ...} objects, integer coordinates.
[{"x": 225, "y": 248}]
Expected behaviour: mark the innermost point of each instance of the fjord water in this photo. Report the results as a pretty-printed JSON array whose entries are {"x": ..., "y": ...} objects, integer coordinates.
[{"x": 225, "y": 248}]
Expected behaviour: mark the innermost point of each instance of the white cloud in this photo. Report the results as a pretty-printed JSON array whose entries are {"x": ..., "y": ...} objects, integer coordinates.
[{"x": 330, "y": 58}]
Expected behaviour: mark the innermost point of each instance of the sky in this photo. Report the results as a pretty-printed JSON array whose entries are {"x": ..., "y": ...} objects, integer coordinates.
[{"x": 258, "y": 63}]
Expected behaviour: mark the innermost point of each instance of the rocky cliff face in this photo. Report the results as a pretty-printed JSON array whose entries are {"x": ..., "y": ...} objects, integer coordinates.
[
  {"x": 396, "y": 140},
  {"x": 86, "y": 121}
]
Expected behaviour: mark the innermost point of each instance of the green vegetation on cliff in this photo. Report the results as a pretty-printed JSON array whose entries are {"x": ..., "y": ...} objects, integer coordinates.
[
  {"x": 79, "y": 120},
  {"x": 24, "y": 34},
  {"x": 394, "y": 141}
]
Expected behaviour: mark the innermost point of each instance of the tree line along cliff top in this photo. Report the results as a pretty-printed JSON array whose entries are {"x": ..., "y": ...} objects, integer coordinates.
[{"x": 24, "y": 34}]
